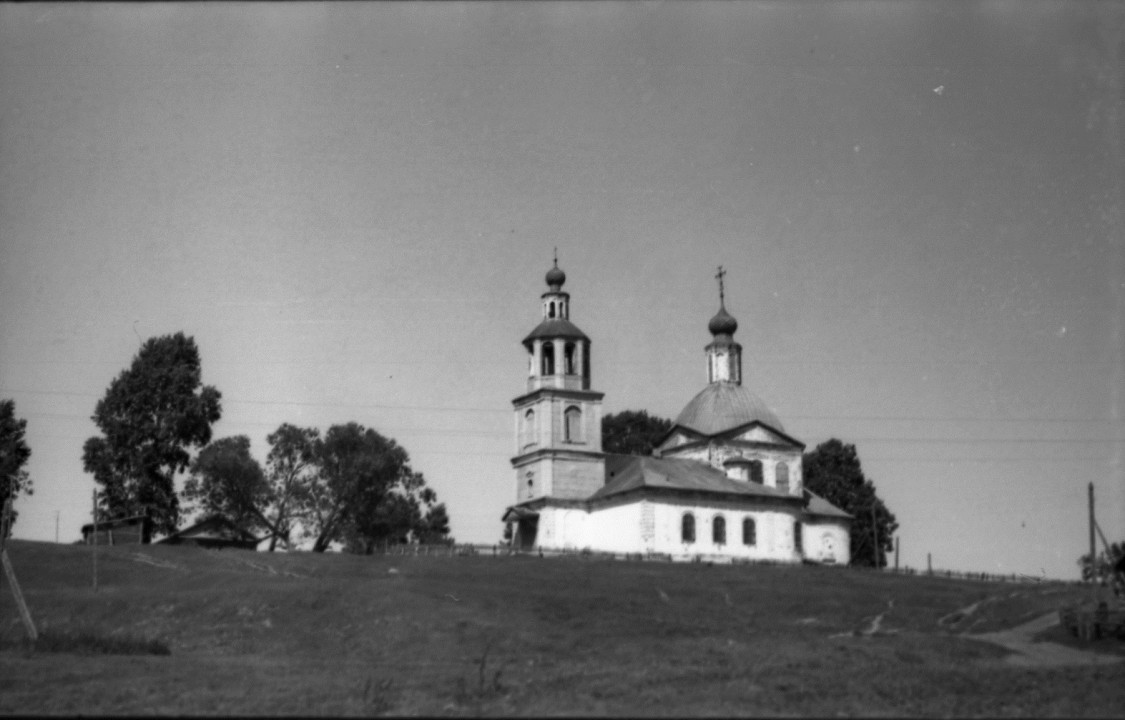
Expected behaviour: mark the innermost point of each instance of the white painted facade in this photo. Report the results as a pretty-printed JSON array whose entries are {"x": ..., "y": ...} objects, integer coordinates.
[{"x": 656, "y": 527}]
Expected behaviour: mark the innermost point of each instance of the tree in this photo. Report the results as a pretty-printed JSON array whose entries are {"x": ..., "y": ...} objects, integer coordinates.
[
  {"x": 833, "y": 472},
  {"x": 290, "y": 468},
  {"x": 633, "y": 432},
  {"x": 150, "y": 417},
  {"x": 226, "y": 480},
  {"x": 1104, "y": 570},
  {"x": 364, "y": 492},
  {"x": 356, "y": 469},
  {"x": 435, "y": 526},
  {"x": 14, "y": 454}
]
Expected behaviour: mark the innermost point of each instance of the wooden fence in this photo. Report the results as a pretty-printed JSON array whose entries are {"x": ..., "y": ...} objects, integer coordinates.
[{"x": 501, "y": 550}]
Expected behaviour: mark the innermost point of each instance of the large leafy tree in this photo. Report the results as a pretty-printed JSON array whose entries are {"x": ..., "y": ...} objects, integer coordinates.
[
  {"x": 226, "y": 480},
  {"x": 833, "y": 471},
  {"x": 364, "y": 490},
  {"x": 633, "y": 432},
  {"x": 290, "y": 468},
  {"x": 409, "y": 509},
  {"x": 14, "y": 454},
  {"x": 152, "y": 414}
]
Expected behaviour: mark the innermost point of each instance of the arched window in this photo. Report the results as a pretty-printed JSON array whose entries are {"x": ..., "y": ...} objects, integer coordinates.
[
  {"x": 798, "y": 541},
  {"x": 572, "y": 425},
  {"x": 568, "y": 359},
  {"x": 756, "y": 471},
  {"x": 749, "y": 532},
  {"x": 719, "y": 530},
  {"x": 548, "y": 358},
  {"x": 687, "y": 528},
  {"x": 528, "y": 428},
  {"x": 783, "y": 477},
  {"x": 551, "y": 310}
]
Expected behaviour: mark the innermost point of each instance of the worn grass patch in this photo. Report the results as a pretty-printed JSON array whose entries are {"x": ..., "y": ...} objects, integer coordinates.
[
  {"x": 88, "y": 642},
  {"x": 299, "y": 634}
]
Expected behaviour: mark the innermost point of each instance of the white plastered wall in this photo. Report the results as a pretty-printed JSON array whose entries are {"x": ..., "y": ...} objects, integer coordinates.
[{"x": 827, "y": 541}]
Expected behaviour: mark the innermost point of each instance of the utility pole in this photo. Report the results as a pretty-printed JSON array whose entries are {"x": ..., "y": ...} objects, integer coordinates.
[
  {"x": 1093, "y": 549},
  {"x": 25, "y": 614},
  {"x": 896, "y": 553},
  {"x": 94, "y": 536},
  {"x": 875, "y": 531}
]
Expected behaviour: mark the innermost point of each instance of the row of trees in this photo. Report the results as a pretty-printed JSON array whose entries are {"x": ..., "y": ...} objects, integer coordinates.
[
  {"x": 351, "y": 485},
  {"x": 832, "y": 471}
]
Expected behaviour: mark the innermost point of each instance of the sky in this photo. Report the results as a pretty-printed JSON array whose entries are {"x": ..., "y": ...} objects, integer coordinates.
[{"x": 351, "y": 208}]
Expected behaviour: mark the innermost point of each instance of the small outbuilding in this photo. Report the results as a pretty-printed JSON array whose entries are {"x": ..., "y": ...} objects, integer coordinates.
[
  {"x": 214, "y": 532},
  {"x": 134, "y": 530}
]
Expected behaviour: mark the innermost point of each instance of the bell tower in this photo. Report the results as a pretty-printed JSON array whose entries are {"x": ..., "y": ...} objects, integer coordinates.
[{"x": 558, "y": 421}]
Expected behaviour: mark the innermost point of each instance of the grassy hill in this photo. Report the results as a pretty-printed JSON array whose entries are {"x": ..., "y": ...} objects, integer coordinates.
[{"x": 337, "y": 634}]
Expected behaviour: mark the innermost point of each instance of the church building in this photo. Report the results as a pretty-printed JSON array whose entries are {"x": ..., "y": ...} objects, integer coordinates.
[{"x": 723, "y": 484}]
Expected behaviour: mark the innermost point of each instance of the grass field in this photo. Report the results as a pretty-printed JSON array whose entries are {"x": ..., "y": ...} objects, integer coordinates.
[{"x": 337, "y": 634}]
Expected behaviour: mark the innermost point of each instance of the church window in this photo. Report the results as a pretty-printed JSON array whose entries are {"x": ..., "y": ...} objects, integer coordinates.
[
  {"x": 783, "y": 477},
  {"x": 572, "y": 425},
  {"x": 749, "y": 532},
  {"x": 687, "y": 528},
  {"x": 529, "y": 428},
  {"x": 719, "y": 530},
  {"x": 568, "y": 358},
  {"x": 756, "y": 471},
  {"x": 551, "y": 311},
  {"x": 798, "y": 541},
  {"x": 548, "y": 359}
]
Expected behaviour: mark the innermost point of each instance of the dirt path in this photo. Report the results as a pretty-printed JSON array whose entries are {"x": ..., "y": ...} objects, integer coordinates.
[{"x": 1028, "y": 653}]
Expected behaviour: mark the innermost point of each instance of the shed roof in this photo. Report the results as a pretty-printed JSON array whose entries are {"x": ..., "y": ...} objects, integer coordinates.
[
  {"x": 215, "y": 527},
  {"x": 116, "y": 523}
]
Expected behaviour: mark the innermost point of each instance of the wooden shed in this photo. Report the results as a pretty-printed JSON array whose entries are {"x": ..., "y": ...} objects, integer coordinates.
[
  {"x": 134, "y": 530},
  {"x": 214, "y": 532}
]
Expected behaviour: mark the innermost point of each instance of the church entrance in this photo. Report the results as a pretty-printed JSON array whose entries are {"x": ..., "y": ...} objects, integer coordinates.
[{"x": 526, "y": 530}]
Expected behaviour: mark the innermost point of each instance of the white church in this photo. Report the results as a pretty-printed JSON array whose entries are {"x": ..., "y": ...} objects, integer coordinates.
[{"x": 724, "y": 483}]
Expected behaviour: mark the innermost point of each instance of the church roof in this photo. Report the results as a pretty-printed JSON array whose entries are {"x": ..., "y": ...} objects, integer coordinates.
[
  {"x": 629, "y": 472},
  {"x": 819, "y": 506},
  {"x": 556, "y": 328},
  {"x": 724, "y": 406}
]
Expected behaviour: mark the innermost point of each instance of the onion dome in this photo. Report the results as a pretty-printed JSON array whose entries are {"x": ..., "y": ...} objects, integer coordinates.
[
  {"x": 723, "y": 323},
  {"x": 724, "y": 406},
  {"x": 556, "y": 277}
]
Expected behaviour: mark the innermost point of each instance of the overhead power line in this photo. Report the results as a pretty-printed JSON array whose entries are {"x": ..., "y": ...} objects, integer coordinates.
[{"x": 439, "y": 408}]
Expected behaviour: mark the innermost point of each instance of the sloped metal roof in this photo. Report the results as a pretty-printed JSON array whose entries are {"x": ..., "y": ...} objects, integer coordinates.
[
  {"x": 556, "y": 328},
  {"x": 723, "y": 406},
  {"x": 629, "y": 472},
  {"x": 819, "y": 506}
]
